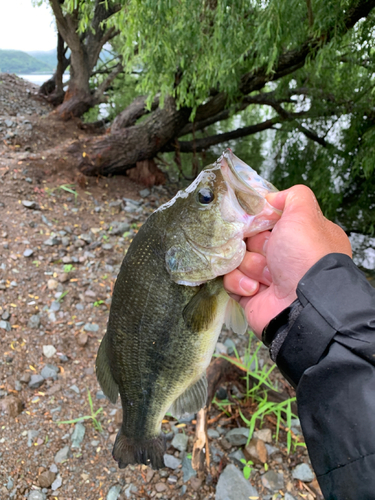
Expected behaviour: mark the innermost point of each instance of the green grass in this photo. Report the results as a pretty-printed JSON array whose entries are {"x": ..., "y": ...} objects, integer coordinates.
[
  {"x": 257, "y": 392},
  {"x": 93, "y": 414}
]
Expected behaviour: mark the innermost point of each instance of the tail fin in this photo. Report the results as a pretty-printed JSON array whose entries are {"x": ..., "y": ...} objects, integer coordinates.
[{"x": 129, "y": 451}]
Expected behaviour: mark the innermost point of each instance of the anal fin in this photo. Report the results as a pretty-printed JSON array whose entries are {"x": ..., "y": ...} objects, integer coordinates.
[
  {"x": 103, "y": 372},
  {"x": 192, "y": 400}
]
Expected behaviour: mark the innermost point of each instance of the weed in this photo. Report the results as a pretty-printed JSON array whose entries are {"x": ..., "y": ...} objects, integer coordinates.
[
  {"x": 61, "y": 298},
  {"x": 248, "y": 468},
  {"x": 258, "y": 392},
  {"x": 98, "y": 303},
  {"x": 68, "y": 268},
  {"x": 69, "y": 189},
  {"x": 96, "y": 423}
]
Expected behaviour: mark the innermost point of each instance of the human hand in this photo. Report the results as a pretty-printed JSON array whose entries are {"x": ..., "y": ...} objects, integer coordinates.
[{"x": 266, "y": 281}]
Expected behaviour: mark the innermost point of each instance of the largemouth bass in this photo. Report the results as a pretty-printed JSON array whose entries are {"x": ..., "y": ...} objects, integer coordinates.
[{"x": 169, "y": 304}]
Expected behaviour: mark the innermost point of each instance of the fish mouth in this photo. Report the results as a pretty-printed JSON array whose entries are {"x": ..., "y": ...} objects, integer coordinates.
[{"x": 250, "y": 191}]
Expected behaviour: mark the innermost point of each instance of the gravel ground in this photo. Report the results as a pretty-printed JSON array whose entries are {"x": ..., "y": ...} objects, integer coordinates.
[{"x": 60, "y": 255}]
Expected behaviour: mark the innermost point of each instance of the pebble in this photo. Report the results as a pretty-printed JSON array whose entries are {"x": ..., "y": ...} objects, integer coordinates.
[
  {"x": 144, "y": 193},
  {"x": 216, "y": 454},
  {"x": 46, "y": 479},
  {"x": 107, "y": 246},
  {"x": 213, "y": 434},
  {"x": 232, "y": 484},
  {"x": 28, "y": 252},
  {"x": 264, "y": 434},
  {"x": 91, "y": 327},
  {"x": 55, "y": 306},
  {"x": 230, "y": 345},
  {"x": 273, "y": 481},
  {"x": 35, "y": 495},
  {"x": 100, "y": 395},
  {"x": 52, "y": 284},
  {"x": 49, "y": 371},
  {"x": 62, "y": 455},
  {"x": 160, "y": 487},
  {"x": 53, "y": 468},
  {"x": 180, "y": 442},
  {"x": 82, "y": 339},
  {"x": 5, "y": 325},
  {"x": 6, "y": 315},
  {"x": 29, "y": 204},
  {"x": 119, "y": 228},
  {"x": 75, "y": 389},
  {"x": 256, "y": 451},
  {"x": 187, "y": 469},
  {"x": 114, "y": 492},
  {"x": 63, "y": 278},
  {"x": 238, "y": 436},
  {"x": 171, "y": 461},
  {"x": 49, "y": 351},
  {"x": 57, "y": 483},
  {"x": 78, "y": 435},
  {"x": 236, "y": 457},
  {"x": 51, "y": 242},
  {"x": 36, "y": 381},
  {"x": 34, "y": 321},
  {"x": 288, "y": 496},
  {"x": 11, "y": 405},
  {"x": 303, "y": 473}
]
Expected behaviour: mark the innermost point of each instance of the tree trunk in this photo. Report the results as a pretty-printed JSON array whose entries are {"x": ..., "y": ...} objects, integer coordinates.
[
  {"x": 53, "y": 89},
  {"x": 117, "y": 152}
]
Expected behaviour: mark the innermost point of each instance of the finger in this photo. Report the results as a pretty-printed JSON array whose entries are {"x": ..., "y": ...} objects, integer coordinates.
[
  {"x": 236, "y": 282},
  {"x": 258, "y": 243},
  {"x": 254, "y": 266}
]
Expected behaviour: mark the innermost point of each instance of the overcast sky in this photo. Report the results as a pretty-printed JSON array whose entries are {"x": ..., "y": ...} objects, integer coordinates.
[{"x": 24, "y": 27}]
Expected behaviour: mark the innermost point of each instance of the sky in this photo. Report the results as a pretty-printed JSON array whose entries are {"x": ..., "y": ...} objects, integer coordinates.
[{"x": 25, "y": 27}]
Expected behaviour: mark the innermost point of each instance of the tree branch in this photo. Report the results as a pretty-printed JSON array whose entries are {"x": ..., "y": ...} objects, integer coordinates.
[{"x": 107, "y": 82}]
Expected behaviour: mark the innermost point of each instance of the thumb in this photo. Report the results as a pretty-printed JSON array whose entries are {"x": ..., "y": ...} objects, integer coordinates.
[{"x": 298, "y": 197}]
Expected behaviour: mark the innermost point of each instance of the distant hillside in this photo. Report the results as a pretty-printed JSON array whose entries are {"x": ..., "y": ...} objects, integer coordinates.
[
  {"x": 49, "y": 56},
  {"x": 16, "y": 61}
]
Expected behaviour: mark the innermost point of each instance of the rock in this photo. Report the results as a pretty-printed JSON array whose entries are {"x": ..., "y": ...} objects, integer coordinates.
[
  {"x": 107, "y": 246},
  {"x": 230, "y": 345},
  {"x": 62, "y": 455},
  {"x": 57, "y": 483},
  {"x": 25, "y": 378},
  {"x": 195, "y": 483},
  {"x": 46, "y": 479},
  {"x": 216, "y": 454},
  {"x": 273, "y": 481},
  {"x": 36, "y": 381},
  {"x": 171, "y": 461},
  {"x": 78, "y": 435},
  {"x": 264, "y": 434},
  {"x": 6, "y": 315},
  {"x": 29, "y": 204},
  {"x": 256, "y": 451},
  {"x": 63, "y": 278},
  {"x": 49, "y": 371},
  {"x": 5, "y": 325},
  {"x": 28, "y": 252},
  {"x": 49, "y": 351},
  {"x": 55, "y": 306},
  {"x": 34, "y": 321},
  {"x": 187, "y": 469},
  {"x": 213, "y": 434},
  {"x": 303, "y": 473},
  {"x": 31, "y": 435},
  {"x": 160, "y": 487},
  {"x": 114, "y": 492},
  {"x": 220, "y": 348},
  {"x": 144, "y": 193},
  {"x": 91, "y": 327},
  {"x": 35, "y": 495},
  {"x": 119, "y": 228},
  {"x": 149, "y": 475},
  {"x": 100, "y": 395},
  {"x": 232, "y": 485},
  {"x": 51, "y": 242},
  {"x": 238, "y": 436},
  {"x": 82, "y": 339},
  {"x": 53, "y": 468},
  {"x": 52, "y": 284},
  {"x": 11, "y": 406},
  {"x": 236, "y": 458},
  {"x": 180, "y": 442}
]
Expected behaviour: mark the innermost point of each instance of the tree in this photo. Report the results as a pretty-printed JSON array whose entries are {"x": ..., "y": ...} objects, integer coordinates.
[{"x": 306, "y": 66}]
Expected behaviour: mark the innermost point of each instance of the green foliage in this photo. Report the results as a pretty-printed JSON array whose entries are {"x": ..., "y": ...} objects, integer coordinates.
[
  {"x": 248, "y": 468},
  {"x": 48, "y": 57},
  {"x": 16, "y": 61}
]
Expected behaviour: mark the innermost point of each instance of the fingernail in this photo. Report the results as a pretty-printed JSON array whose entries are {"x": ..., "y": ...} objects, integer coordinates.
[{"x": 248, "y": 285}]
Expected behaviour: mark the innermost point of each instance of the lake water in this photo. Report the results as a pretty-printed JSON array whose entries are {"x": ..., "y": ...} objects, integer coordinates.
[{"x": 40, "y": 79}]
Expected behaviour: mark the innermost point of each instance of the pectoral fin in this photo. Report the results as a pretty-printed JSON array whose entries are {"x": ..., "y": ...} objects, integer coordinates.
[
  {"x": 103, "y": 372},
  {"x": 192, "y": 400},
  {"x": 200, "y": 312},
  {"x": 235, "y": 317}
]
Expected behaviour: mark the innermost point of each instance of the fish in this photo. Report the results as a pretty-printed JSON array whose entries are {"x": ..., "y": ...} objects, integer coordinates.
[{"x": 169, "y": 304}]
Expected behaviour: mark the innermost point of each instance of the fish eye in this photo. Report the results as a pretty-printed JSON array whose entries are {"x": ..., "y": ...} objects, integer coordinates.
[{"x": 205, "y": 196}]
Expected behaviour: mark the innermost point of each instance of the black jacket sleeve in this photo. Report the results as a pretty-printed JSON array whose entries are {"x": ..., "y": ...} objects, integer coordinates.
[{"x": 327, "y": 352}]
